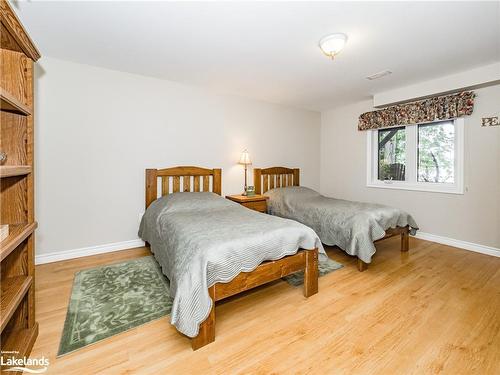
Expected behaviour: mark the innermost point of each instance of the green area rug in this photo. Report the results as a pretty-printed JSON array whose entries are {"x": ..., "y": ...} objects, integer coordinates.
[{"x": 111, "y": 299}]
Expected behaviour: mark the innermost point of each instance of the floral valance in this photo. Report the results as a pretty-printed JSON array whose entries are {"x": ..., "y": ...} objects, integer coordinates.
[{"x": 427, "y": 110}]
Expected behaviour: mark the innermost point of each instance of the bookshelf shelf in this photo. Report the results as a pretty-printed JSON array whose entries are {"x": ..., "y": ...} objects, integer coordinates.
[
  {"x": 9, "y": 103},
  {"x": 14, "y": 170}
]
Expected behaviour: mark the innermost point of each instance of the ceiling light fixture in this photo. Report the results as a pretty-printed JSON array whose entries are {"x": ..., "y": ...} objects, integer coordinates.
[{"x": 332, "y": 44}]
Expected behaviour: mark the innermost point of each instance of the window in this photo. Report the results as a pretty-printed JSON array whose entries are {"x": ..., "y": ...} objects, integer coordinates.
[{"x": 426, "y": 157}]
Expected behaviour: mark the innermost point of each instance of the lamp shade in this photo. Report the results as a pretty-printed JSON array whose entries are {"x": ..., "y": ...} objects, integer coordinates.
[
  {"x": 332, "y": 44},
  {"x": 245, "y": 158}
]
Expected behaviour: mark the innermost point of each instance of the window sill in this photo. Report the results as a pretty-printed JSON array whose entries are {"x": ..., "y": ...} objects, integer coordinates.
[{"x": 416, "y": 187}]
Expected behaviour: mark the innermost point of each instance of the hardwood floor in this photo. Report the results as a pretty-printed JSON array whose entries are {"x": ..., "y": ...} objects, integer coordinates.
[{"x": 435, "y": 309}]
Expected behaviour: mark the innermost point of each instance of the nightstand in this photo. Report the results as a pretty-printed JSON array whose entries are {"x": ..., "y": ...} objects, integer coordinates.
[{"x": 254, "y": 202}]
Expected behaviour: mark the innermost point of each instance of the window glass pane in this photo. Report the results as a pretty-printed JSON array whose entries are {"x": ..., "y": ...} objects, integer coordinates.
[
  {"x": 436, "y": 152},
  {"x": 392, "y": 154}
]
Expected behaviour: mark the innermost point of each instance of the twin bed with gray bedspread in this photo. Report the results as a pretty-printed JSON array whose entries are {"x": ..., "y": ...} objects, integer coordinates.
[
  {"x": 352, "y": 226},
  {"x": 200, "y": 239}
]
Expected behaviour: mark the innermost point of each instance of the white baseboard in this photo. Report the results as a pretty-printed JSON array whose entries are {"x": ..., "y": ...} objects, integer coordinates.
[
  {"x": 107, "y": 248},
  {"x": 460, "y": 244},
  {"x": 86, "y": 251}
]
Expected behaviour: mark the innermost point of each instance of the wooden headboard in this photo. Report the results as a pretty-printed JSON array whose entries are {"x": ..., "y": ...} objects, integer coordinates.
[
  {"x": 274, "y": 177},
  {"x": 181, "y": 179}
]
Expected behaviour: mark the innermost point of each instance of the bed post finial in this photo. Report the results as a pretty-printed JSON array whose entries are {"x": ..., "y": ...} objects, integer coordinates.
[
  {"x": 296, "y": 177},
  {"x": 257, "y": 183},
  {"x": 151, "y": 192},
  {"x": 216, "y": 182}
]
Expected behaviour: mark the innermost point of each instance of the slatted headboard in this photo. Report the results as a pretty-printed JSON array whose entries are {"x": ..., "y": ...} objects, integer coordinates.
[
  {"x": 270, "y": 178},
  {"x": 181, "y": 179}
]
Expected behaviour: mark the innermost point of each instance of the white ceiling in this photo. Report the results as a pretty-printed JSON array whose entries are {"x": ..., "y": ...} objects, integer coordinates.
[{"x": 268, "y": 50}]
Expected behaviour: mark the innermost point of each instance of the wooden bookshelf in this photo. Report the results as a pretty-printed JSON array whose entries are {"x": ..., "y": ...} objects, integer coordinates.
[
  {"x": 17, "y": 252},
  {"x": 14, "y": 170}
]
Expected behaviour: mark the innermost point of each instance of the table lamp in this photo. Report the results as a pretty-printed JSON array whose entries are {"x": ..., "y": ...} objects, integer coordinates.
[{"x": 245, "y": 160}]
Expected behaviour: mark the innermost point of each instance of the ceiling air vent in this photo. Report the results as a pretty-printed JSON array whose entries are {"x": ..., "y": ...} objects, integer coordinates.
[{"x": 378, "y": 75}]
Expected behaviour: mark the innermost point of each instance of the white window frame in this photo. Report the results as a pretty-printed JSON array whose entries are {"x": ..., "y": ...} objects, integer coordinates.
[{"x": 411, "y": 182}]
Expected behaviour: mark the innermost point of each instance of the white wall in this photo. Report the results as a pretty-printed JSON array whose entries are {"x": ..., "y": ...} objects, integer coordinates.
[
  {"x": 97, "y": 130},
  {"x": 472, "y": 217}
]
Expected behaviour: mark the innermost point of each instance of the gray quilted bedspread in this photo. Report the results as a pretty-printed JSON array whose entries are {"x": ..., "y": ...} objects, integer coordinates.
[
  {"x": 200, "y": 239},
  {"x": 352, "y": 226}
]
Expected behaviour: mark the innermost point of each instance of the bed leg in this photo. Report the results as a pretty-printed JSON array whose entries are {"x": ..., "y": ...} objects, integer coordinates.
[
  {"x": 206, "y": 335},
  {"x": 362, "y": 266},
  {"x": 405, "y": 239},
  {"x": 311, "y": 273}
]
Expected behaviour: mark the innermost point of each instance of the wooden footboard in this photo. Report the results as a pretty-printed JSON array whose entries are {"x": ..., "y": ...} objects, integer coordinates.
[
  {"x": 404, "y": 232},
  {"x": 306, "y": 260}
]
